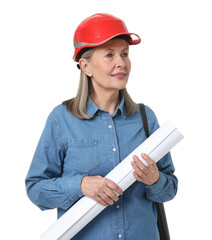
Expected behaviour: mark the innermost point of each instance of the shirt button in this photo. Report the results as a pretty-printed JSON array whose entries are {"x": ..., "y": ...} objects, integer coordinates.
[
  {"x": 117, "y": 206},
  {"x": 120, "y": 235},
  {"x": 110, "y": 126},
  {"x": 114, "y": 149}
]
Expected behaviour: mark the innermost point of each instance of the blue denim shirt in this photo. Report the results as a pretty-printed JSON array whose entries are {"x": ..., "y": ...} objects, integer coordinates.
[{"x": 70, "y": 148}]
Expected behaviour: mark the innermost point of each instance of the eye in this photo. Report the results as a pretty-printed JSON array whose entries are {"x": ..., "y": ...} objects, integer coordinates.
[
  {"x": 109, "y": 55},
  {"x": 124, "y": 54}
]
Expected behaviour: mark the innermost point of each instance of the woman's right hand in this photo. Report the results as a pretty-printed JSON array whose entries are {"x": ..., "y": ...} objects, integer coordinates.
[{"x": 102, "y": 190}]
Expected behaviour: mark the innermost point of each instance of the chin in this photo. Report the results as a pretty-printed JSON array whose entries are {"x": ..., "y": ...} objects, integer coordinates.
[{"x": 122, "y": 86}]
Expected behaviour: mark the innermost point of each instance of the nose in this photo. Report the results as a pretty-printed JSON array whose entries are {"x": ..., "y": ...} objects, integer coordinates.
[{"x": 119, "y": 61}]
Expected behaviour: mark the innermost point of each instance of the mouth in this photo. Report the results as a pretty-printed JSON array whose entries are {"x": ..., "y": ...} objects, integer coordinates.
[{"x": 119, "y": 75}]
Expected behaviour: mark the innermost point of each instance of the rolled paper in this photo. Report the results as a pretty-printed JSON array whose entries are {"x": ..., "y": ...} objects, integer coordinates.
[{"x": 84, "y": 210}]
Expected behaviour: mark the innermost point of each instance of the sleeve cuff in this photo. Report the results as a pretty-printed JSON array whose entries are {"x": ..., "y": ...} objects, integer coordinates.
[
  {"x": 74, "y": 186},
  {"x": 156, "y": 188}
]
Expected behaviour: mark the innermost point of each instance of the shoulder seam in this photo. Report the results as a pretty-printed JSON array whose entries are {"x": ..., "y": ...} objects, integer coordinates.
[{"x": 58, "y": 130}]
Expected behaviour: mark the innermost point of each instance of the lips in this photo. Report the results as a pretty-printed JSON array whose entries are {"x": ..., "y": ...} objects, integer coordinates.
[{"x": 119, "y": 75}]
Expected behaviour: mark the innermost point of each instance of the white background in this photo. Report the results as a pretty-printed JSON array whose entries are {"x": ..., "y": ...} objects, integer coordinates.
[{"x": 171, "y": 73}]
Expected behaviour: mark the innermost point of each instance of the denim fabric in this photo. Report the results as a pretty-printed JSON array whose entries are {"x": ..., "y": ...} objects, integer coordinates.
[{"x": 70, "y": 148}]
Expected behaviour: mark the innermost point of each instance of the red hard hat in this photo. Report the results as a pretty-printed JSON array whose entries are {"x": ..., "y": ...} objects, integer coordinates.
[{"x": 98, "y": 29}]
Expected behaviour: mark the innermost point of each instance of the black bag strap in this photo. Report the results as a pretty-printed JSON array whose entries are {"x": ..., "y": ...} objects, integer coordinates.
[
  {"x": 161, "y": 221},
  {"x": 144, "y": 119}
]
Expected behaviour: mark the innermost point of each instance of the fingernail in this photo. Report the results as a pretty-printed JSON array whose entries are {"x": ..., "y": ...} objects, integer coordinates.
[{"x": 143, "y": 155}]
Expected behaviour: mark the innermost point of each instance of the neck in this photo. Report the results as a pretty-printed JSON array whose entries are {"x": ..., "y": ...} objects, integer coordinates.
[{"x": 107, "y": 101}]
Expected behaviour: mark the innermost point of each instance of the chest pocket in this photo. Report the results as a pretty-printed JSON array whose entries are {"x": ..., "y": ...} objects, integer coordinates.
[{"x": 84, "y": 155}]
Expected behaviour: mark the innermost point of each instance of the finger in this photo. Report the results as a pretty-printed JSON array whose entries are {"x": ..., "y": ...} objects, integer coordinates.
[
  {"x": 137, "y": 169},
  {"x": 140, "y": 166},
  {"x": 113, "y": 186},
  {"x": 106, "y": 199},
  {"x": 137, "y": 177},
  {"x": 150, "y": 162},
  {"x": 101, "y": 201},
  {"x": 111, "y": 194}
]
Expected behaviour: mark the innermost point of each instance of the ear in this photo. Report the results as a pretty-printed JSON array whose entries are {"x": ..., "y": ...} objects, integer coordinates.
[{"x": 85, "y": 67}]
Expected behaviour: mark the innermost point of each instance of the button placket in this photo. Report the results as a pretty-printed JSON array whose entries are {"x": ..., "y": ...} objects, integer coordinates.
[{"x": 111, "y": 137}]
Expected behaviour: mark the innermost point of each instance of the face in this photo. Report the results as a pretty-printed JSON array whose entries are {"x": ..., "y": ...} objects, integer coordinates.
[{"x": 109, "y": 66}]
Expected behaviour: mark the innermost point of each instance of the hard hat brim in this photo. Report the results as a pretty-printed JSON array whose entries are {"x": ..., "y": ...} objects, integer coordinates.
[{"x": 134, "y": 39}]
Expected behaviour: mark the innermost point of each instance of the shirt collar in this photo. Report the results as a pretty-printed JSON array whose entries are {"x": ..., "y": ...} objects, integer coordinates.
[{"x": 92, "y": 109}]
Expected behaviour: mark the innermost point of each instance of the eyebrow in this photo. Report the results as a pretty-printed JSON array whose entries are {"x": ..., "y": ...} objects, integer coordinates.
[{"x": 110, "y": 49}]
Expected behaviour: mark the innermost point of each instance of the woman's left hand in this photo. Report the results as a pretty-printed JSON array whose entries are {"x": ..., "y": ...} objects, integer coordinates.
[{"x": 148, "y": 175}]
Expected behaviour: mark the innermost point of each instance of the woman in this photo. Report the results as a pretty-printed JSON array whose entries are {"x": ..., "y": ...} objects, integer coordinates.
[{"x": 87, "y": 136}]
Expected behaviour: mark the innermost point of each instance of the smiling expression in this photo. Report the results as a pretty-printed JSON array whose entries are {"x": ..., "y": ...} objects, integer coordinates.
[{"x": 109, "y": 67}]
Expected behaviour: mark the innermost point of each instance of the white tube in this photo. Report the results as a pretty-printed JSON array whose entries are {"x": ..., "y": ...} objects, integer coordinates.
[{"x": 83, "y": 211}]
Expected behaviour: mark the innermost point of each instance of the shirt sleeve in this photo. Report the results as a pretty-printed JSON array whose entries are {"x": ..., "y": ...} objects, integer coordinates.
[
  {"x": 45, "y": 184},
  {"x": 166, "y": 187}
]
